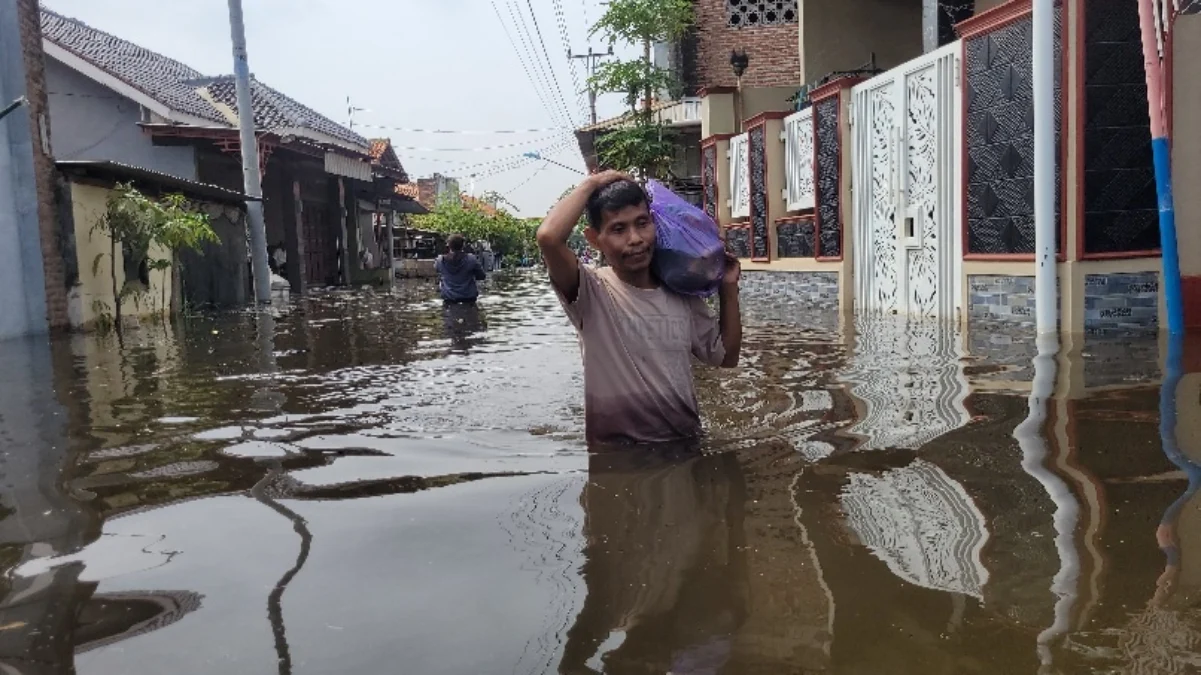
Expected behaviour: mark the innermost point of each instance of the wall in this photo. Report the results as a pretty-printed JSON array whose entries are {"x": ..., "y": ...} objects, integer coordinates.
[
  {"x": 774, "y": 57},
  {"x": 92, "y": 122},
  {"x": 88, "y": 204},
  {"x": 26, "y": 190},
  {"x": 842, "y": 34}
]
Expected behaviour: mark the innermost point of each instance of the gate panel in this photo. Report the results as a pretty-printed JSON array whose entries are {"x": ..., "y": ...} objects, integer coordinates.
[{"x": 906, "y": 194}]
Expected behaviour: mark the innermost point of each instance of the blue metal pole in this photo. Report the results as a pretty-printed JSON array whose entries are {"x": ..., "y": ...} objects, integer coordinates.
[{"x": 1174, "y": 301}]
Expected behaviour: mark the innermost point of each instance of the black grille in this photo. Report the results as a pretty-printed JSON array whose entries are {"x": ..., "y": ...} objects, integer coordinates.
[
  {"x": 829, "y": 171},
  {"x": 795, "y": 239},
  {"x": 760, "y": 241},
  {"x": 1120, "y": 205},
  {"x": 999, "y": 136},
  {"x": 738, "y": 240},
  {"x": 709, "y": 180}
]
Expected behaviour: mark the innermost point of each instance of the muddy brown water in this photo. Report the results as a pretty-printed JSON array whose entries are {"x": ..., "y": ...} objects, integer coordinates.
[{"x": 369, "y": 483}]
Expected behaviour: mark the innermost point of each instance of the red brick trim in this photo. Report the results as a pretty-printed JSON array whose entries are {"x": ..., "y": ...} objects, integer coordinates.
[
  {"x": 763, "y": 117},
  {"x": 1191, "y": 287},
  {"x": 833, "y": 87},
  {"x": 715, "y": 139}
]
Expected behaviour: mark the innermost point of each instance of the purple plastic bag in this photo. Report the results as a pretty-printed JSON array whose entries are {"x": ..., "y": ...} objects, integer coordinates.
[{"x": 689, "y": 253}]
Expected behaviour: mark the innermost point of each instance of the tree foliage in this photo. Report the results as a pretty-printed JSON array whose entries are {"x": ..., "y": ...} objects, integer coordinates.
[
  {"x": 134, "y": 221},
  {"x": 639, "y": 143},
  {"x": 644, "y": 20},
  {"x": 506, "y": 234}
]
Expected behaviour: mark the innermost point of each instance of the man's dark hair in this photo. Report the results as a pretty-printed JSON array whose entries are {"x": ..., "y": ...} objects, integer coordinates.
[
  {"x": 456, "y": 242},
  {"x": 614, "y": 197}
]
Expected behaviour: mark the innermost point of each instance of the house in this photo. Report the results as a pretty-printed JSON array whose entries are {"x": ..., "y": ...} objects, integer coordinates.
[
  {"x": 879, "y": 154},
  {"x": 114, "y": 101},
  {"x": 99, "y": 274}
]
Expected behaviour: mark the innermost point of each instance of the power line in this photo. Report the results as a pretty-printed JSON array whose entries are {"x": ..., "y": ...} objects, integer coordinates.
[
  {"x": 527, "y": 41},
  {"x": 524, "y": 65},
  {"x": 474, "y": 132},
  {"x": 575, "y": 78},
  {"x": 479, "y": 148},
  {"x": 543, "y": 63}
]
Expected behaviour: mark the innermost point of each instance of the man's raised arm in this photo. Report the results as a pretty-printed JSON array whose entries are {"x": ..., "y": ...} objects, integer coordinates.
[{"x": 553, "y": 233}]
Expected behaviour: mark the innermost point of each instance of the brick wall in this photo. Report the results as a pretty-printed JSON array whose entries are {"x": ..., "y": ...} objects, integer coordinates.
[
  {"x": 773, "y": 50},
  {"x": 53, "y": 265}
]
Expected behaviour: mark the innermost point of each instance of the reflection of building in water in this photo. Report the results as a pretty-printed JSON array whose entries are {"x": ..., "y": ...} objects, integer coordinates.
[
  {"x": 922, "y": 524},
  {"x": 109, "y": 618},
  {"x": 909, "y": 379},
  {"x": 36, "y": 518}
]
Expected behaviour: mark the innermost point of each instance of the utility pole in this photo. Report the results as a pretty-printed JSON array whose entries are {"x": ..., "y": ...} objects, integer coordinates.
[
  {"x": 251, "y": 178},
  {"x": 591, "y": 59}
]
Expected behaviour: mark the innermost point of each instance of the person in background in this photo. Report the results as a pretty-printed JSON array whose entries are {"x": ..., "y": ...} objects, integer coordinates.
[
  {"x": 637, "y": 337},
  {"x": 458, "y": 272}
]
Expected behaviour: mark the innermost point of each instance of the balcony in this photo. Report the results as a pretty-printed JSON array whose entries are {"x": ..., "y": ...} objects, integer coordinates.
[{"x": 684, "y": 112}]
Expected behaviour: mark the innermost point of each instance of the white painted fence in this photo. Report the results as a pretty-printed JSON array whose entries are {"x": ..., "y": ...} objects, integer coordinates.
[
  {"x": 800, "y": 191},
  {"x": 740, "y": 176}
]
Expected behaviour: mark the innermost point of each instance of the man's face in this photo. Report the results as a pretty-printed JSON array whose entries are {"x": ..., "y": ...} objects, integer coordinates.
[{"x": 626, "y": 237}]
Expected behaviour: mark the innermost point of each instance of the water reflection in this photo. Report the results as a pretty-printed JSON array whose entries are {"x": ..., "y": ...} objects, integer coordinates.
[
  {"x": 365, "y": 481},
  {"x": 665, "y": 564}
]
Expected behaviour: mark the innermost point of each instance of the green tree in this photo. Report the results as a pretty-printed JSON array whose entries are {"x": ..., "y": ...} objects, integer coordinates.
[
  {"x": 133, "y": 222},
  {"x": 506, "y": 234},
  {"x": 639, "y": 144}
]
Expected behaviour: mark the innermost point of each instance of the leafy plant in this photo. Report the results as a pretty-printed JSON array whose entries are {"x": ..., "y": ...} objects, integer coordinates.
[
  {"x": 134, "y": 221},
  {"x": 505, "y": 233},
  {"x": 639, "y": 144}
]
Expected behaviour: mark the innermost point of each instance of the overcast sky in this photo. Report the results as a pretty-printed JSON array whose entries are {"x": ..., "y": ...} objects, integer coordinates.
[{"x": 413, "y": 64}]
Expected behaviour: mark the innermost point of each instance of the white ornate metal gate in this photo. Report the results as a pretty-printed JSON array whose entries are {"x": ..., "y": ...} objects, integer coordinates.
[{"x": 906, "y": 189}]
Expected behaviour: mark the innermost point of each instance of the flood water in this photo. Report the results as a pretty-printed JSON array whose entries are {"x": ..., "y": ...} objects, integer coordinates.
[{"x": 368, "y": 483}]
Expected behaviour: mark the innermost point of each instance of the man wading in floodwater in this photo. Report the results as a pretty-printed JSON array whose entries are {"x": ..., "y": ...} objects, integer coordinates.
[
  {"x": 637, "y": 337},
  {"x": 458, "y": 272}
]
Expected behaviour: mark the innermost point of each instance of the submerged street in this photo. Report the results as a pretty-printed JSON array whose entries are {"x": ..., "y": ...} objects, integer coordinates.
[{"x": 369, "y": 483}]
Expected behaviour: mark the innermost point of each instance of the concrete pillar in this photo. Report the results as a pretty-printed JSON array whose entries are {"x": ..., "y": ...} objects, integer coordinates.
[
  {"x": 1185, "y": 96},
  {"x": 718, "y": 115},
  {"x": 33, "y": 293},
  {"x": 929, "y": 25}
]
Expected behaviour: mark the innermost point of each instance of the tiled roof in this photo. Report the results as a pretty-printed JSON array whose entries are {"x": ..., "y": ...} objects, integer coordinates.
[
  {"x": 152, "y": 74},
  {"x": 273, "y": 110},
  {"x": 175, "y": 84}
]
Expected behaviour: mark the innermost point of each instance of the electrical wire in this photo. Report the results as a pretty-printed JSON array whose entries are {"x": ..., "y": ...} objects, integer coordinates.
[
  {"x": 575, "y": 77},
  {"x": 474, "y": 132},
  {"x": 527, "y": 43},
  {"x": 555, "y": 93},
  {"x": 524, "y": 65},
  {"x": 480, "y": 148},
  {"x": 549, "y": 63}
]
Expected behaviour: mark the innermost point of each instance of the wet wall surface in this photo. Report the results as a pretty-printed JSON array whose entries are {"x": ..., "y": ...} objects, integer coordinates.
[{"x": 372, "y": 483}]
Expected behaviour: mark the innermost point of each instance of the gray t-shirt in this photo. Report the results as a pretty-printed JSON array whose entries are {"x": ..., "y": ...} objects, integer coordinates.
[{"x": 638, "y": 346}]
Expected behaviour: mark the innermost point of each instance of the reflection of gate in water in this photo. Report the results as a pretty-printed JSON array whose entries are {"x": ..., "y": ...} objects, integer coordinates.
[
  {"x": 922, "y": 524},
  {"x": 905, "y": 193},
  {"x": 910, "y": 379}
]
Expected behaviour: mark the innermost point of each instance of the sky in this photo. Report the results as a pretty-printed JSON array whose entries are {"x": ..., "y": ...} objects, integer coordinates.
[{"x": 414, "y": 66}]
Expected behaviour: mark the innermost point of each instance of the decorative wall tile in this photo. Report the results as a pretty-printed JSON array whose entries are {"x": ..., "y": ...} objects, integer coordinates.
[
  {"x": 829, "y": 174},
  {"x": 760, "y": 236},
  {"x": 738, "y": 240},
  {"x": 709, "y": 180},
  {"x": 749, "y": 13},
  {"x": 1121, "y": 303},
  {"x": 1120, "y": 204},
  {"x": 805, "y": 290},
  {"x": 796, "y": 239},
  {"x": 999, "y": 138}
]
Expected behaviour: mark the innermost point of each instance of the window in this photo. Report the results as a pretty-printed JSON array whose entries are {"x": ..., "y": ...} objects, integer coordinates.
[{"x": 743, "y": 13}]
